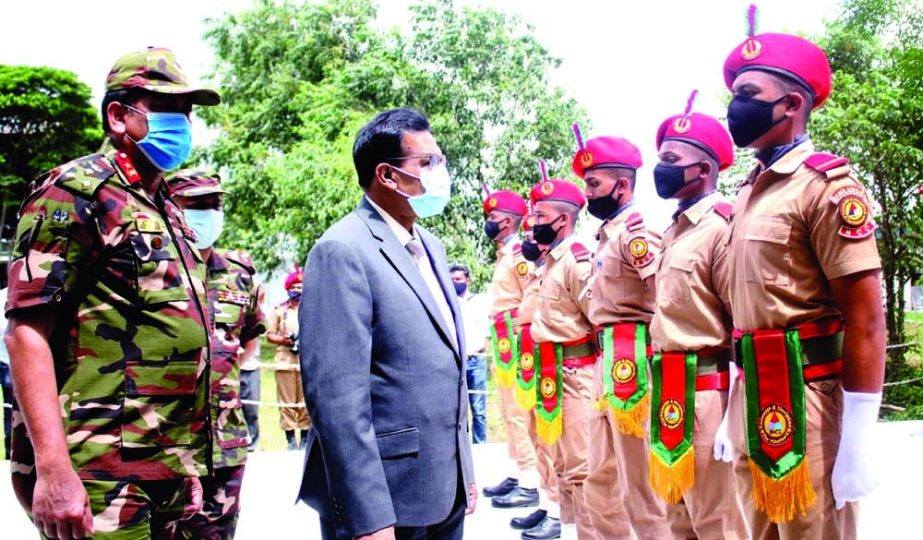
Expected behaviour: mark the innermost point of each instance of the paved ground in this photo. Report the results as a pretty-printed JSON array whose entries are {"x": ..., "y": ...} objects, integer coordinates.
[{"x": 272, "y": 479}]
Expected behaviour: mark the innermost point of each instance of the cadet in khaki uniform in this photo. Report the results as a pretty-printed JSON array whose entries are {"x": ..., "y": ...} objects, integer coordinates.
[
  {"x": 504, "y": 211},
  {"x": 108, "y": 321},
  {"x": 691, "y": 333},
  {"x": 283, "y": 332},
  {"x": 621, "y": 302},
  {"x": 239, "y": 322},
  {"x": 526, "y": 388},
  {"x": 564, "y": 340},
  {"x": 805, "y": 297}
]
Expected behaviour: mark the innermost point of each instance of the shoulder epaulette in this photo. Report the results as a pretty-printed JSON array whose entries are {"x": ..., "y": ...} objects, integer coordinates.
[
  {"x": 517, "y": 248},
  {"x": 83, "y": 176},
  {"x": 240, "y": 258},
  {"x": 635, "y": 221},
  {"x": 581, "y": 253},
  {"x": 724, "y": 209},
  {"x": 830, "y": 165}
]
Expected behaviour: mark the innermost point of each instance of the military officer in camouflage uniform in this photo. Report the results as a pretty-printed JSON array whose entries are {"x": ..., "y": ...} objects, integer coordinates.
[
  {"x": 109, "y": 326},
  {"x": 239, "y": 322}
]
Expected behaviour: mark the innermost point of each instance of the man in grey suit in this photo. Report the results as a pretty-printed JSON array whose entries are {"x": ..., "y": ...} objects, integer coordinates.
[{"x": 382, "y": 352}]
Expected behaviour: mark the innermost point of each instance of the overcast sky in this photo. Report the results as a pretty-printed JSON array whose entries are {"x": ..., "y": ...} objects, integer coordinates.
[{"x": 631, "y": 64}]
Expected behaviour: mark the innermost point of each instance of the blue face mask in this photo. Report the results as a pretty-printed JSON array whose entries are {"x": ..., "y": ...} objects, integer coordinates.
[
  {"x": 438, "y": 188},
  {"x": 207, "y": 225},
  {"x": 168, "y": 142},
  {"x": 460, "y": 287}
]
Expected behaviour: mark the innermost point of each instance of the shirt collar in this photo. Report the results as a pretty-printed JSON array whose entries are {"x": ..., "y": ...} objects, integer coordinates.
[
  {"x": 216, "y": 262},
  {"x": 559, "y": 250},
  {"x": 403, "y": 235},
  {"x": 699, "y": 208}
]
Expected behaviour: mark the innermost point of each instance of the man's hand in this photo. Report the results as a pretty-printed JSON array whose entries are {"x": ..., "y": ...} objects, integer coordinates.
[
  {"x": 473, "y": 497},
  {"x": 61, "y": 506},
  {"x": 192, "y": 487},
  {"x": 384, "y": 534}
]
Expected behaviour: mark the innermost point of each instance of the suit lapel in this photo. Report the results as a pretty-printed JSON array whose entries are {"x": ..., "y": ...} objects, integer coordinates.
[{"x": 398, "y": 256}]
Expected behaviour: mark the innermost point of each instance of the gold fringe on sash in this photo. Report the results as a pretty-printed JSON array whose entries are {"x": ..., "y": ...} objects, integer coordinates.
[
  {"x": 782, "y": 499},
  {"x": 506, "y": 376},
  {"x": 671, "y": 481},
  {"x": 630, "y": 422},
  {"x": 550, "y": 430},
  {"x": 525, "y": 399}
]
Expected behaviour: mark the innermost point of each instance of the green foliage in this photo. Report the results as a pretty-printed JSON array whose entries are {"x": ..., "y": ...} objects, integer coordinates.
[
  {"x": 875, "y": 117},
  {"x": 45, "y": 120},
  {"x": 298, "y": 81}
]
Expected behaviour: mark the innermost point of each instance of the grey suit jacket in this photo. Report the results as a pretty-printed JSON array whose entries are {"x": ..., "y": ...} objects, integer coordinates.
[{"x": 383, "y": 382}]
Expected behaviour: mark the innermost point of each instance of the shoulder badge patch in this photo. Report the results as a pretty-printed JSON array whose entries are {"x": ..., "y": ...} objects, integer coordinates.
[
  {"x": 854, "y": 212},
  {"x": 522, "y": 269},
  {"x": 581, "y": 253},
  {"x": 640, "y": 251},
  {"x": 724, "y": 209}
]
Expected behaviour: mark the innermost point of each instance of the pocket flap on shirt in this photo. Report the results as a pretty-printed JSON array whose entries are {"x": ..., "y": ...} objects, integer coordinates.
[
  {"x": 682, "y": 262},
  {"x": 398, "y": 443},
  {"x": 776, "y": 232}
]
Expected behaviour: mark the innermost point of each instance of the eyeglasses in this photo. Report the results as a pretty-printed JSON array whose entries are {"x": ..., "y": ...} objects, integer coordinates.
[{"x": 435, "y": 160}]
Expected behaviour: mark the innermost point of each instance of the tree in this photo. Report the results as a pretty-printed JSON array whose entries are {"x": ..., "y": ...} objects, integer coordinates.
[
  {"x": 45, "y": 120},
  {"x": 298, "y": 81},
  {"x": 875, "y": 117}
]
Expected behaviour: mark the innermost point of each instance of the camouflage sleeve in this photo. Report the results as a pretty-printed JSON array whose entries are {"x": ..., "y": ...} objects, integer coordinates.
[
  {"x": 255, "y": 319},
  {"x": 53, "y": 238}
]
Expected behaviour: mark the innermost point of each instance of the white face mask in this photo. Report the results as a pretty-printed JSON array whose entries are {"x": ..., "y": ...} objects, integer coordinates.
[{"x": 207, "y": 225}]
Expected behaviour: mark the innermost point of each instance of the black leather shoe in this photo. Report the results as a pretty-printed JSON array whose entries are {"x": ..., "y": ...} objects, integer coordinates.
[
  {"x": 502, "y": 488},
  {"x": 548, "y": 528},
  {"x": 517, "y": 498},
  {"x": 527, "y": 522}
]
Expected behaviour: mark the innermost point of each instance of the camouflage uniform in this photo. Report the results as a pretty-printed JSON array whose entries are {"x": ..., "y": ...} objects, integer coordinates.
[
  {"x": 117, "y": 268},
  {"x": 238, "y": 319}
]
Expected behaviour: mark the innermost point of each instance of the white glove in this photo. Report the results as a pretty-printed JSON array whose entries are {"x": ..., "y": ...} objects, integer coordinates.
[
  {"x": 724, "y": 448},
  {"x": 852, "y": 475}
]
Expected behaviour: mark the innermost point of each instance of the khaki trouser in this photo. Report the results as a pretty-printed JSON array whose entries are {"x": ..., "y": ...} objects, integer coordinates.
[
  {"x": 289, "y": 390},
  {"x": 544, "y": 461},
  {"x": 516, "y": 423},
  {"x": 618, "y": 490},
  {"x": 710, "y": 509},
  {"x": 824, "y": 400},
  {"x": 571, "y": 468}
]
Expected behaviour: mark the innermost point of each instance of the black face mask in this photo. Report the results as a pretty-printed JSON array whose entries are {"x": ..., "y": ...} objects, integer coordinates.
[
  {"x": 669, "y": 179},
  {"x": 531, "y": 251},
  {"x": 545, "y": 233},
  {"x": 605, "y": 206},
  {"x": 491, "y": 229},
  {"x": 749, "y": 119}
]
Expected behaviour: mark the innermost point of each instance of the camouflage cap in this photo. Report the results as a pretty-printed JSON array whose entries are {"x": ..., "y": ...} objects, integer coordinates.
[
  {"x": 194, "y": 183},
  {"x": 155, "y": 69}
]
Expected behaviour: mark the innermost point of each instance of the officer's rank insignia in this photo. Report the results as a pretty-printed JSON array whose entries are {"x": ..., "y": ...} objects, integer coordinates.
[
  {"x": 148, "y": 224},
  {"x": 59, "y": 216},
  {"x": 189, "y": 234},
  {"x": 854, "y": 212},
  {"x": 522, "y": 268},
  {"x": 640, "y": 252}
]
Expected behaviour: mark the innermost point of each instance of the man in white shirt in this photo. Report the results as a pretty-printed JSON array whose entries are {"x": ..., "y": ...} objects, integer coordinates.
[{"x": 476, "y": 317}]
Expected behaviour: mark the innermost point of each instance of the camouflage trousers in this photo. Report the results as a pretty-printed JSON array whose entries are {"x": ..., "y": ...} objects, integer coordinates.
[
  {"x": 122, "y": 509},
  {"x": 221, "y": 504}
]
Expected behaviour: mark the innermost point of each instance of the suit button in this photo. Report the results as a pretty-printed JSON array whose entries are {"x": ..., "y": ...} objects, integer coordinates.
[{"x": 459, "y": 427}]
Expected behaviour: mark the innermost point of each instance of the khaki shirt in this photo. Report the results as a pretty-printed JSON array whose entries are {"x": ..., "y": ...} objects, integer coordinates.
[
  {"x": 563, "y": 304},
  {"x": 530, "y": 296},
  {"x": 788, "y": 239},
  {"x": 692, "y": 310},
  {"x": 627, "y": 254},
  {"x": 510, "y": 275}
]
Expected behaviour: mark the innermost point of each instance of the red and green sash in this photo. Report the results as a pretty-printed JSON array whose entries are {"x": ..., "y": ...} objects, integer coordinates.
[
  {"x": 625, "y": 376},
  {"x": 776, "y": 423},
  {"x": 525, "y": 373},
  {"x": 549, "y": 423},
  {"x": 672, "y": 464},
  {"x": 505, "y": 348}
]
